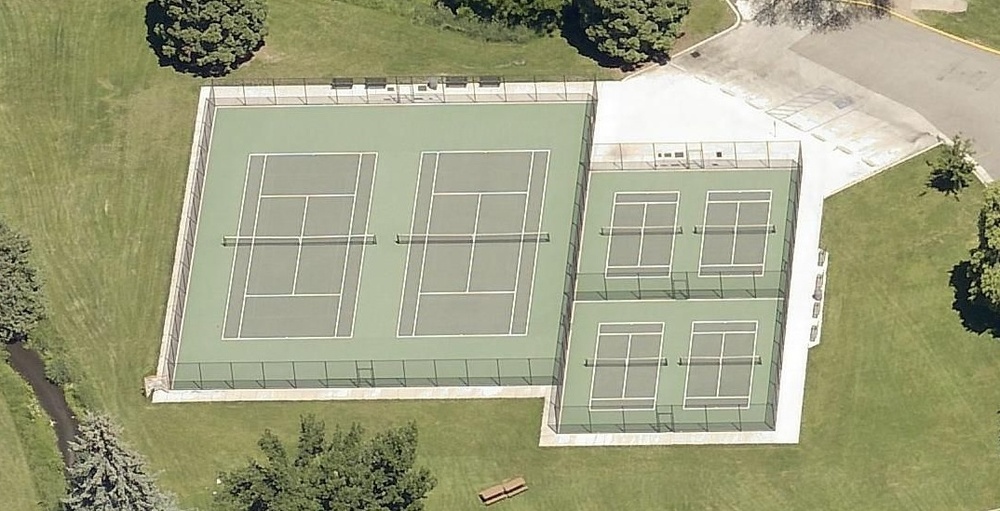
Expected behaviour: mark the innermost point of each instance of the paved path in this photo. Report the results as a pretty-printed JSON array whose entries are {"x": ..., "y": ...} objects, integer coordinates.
[{"x": 954, "y": 86}]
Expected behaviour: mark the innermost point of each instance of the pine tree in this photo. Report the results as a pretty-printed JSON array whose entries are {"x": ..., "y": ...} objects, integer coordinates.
[
  {"x": 342, "y": 472},
  {"x": 207, "y": 37},
  {"x": 633, "y": 31},
  {"x": 21, "y": 303},
  {"x": 109, "y": 476}
]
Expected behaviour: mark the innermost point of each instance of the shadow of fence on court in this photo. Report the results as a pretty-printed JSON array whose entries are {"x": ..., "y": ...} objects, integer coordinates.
[
  {"x": 490, "y": 372},
  {"x": 683, "y": 285},
  {"x": 667, "y": 419}
]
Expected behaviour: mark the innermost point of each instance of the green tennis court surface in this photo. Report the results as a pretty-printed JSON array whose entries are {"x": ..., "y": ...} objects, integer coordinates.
[{"x": 360, "y": 246}]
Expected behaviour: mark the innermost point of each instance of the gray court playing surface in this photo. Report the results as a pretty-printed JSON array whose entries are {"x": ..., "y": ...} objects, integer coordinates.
[
  {"x": 626, "y": 366},
  {"x": 473, "y": 243},
  {"x": 720, "y": 364},
  {"x": 734, "y": 233},
  {"x": 299, "y": 246},
  {"x": 643, "y": 225}
]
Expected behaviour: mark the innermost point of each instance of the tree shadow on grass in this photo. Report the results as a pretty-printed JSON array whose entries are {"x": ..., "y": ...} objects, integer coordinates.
[
  {"x": 156, "y": 16},
  {"x": 976, "y": 316}
]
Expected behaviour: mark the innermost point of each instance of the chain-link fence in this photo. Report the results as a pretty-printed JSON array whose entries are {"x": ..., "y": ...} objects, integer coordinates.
[
  {"x": 402, "y": 90},
  {"x": 310, "y": 374},
  {"x": 696, "y": 156},
  {"x": 667, "y": 419}
]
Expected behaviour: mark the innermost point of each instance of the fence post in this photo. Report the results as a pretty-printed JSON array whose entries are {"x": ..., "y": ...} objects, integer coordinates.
[
  {"x": 232, "y": 374},
  {"x": 326, "y": 373},
  {"x": 434, "y": 364},
  {"x": 707, "y": 427},
  {"x": 201, "y": 377},
  {"x": 295, "y": 377},
  {"x": 499, "y": 376},
  {"x": 405, "y": 380},
  {"x": 263, "y": 376}
]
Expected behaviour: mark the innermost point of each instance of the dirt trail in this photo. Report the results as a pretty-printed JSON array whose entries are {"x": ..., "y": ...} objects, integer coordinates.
[{"x": 29, "y": 365}]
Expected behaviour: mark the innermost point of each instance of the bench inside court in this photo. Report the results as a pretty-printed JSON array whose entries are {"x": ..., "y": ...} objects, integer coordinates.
[{"x": 504, "y": 490}]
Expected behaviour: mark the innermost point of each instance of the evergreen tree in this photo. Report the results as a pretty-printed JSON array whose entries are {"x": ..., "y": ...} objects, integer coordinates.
[
  {"x": 633, "y": 31},
  {"x": 207, "y": 37},
  {"x": 342, "y": 472},
  {"x": 107, "y": 475},
  {"x": 21, "y": 303}
]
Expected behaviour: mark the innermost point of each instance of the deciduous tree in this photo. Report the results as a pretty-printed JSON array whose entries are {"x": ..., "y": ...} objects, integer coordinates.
[
  {"x": 954, "y": 168},
  {"x": 107, "y": 475},
  {"x": 344, "y": 471},
  {"x": 207, "y": 37},
  {"x": 984, "y": 266},
  {"x": 21, "y": 302},
  {"x": 633, "y": 31}
]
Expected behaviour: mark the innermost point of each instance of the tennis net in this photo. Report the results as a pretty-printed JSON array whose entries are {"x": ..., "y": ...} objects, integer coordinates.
[
  {"x": 734, "y": 229},
  {"x": 524, "y": 237},
  {"x": 720, "y": 361},
  {"x": 354, "y": 239},
  {"x": 636, "y": 231},
  {"x": 621, "y": 362}
]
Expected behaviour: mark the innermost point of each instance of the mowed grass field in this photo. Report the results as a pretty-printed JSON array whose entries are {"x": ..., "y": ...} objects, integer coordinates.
[
  {"x": 900, "y": 404},
  {"x": 980, "y": 23}
]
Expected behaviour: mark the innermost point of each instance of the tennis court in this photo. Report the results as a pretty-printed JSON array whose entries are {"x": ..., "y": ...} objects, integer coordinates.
[
  {"x": 299, "y": 246},
  {"x": 735, "y": 232},
  {"x": 337, "y": 246},
  {"x": 626, "y": 366},
  {"x": 473, "y": 243},
  {"x": 642, "y": 230},
  {"x": 720, "y": 364},
  {"x": 675, "y": 325}
]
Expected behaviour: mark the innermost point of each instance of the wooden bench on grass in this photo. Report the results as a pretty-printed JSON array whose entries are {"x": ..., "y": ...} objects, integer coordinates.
[{"x": 504, "y": 490}]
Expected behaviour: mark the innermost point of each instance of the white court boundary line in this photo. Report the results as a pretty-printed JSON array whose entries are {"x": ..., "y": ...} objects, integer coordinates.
[
  {"x": 722, "y": 347},
  {"x": 236, "y": 251},
  {"x": 256, "y": 217},
  {"x": 541, "y": 219},
  {"x": 361, "y": 267},
  {"x": 642, "y": 234},
  {"x": 347, "y": 255},
  {"x": 302, "y": 233},
  {"x": 260, "y": 196},
  {"x": 732, "y": 258},
  {"x": 527, "y": 193},
  {"x": 628, "y": 352},
  {"x": 406, "y": 266}
]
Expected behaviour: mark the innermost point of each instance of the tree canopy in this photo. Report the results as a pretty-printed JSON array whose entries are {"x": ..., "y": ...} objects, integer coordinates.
[
  {"x": 633, "y": 31},
  {"x": 21, "y": 302},
  {"x": 954, "y": 168},
  {"x": 107, "y": 475},
  {"x": 342, "y": 471},
  {"x": 207, "y": 37},
  {"x": 984, "y": 267},
  {"x": 538, "y": 15}
]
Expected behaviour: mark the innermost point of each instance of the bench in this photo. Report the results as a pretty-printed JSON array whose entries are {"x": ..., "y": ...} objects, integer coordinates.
[{"x": 504, "y": 490}]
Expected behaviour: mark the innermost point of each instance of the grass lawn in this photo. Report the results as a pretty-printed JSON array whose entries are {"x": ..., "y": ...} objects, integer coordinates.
[
  {"x": 900, "y": 402},
  {"x": 707, "y": 17},
  {"x": 29, "y": 462},
  {"x": 981, "y": 23}
]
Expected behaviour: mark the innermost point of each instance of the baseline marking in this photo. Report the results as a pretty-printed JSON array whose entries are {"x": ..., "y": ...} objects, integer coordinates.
[{"x": 256, "y": 217}]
